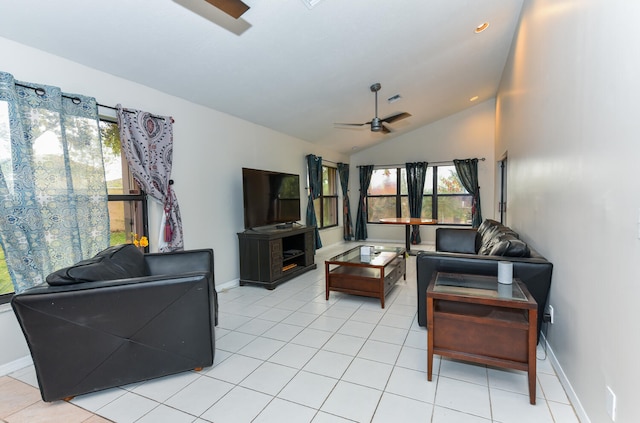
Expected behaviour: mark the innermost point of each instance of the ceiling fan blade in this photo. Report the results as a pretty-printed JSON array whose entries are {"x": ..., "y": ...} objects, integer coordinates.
[
  {"x": 396, "y": 117},
  {"x": 234, "y": 8},
  {"x": 351, "y": 124},
  {"x": 385, "y": 130}
]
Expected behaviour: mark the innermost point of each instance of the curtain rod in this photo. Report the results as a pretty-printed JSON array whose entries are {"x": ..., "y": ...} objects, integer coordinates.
[
  {"x": 403, "y": 164},
  {"x": 76, "y": 100}
]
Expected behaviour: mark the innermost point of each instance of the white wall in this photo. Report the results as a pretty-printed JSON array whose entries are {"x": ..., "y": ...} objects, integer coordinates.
[
  {"x": 467, "y": 134},
  {"x": 210, "y": 148},
  {"x": 567, "y": 116}
]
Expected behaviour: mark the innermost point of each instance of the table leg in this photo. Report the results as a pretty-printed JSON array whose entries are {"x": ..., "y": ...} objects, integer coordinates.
[
  {"x": 533, "y": 338},
  {"x": 407, "y": 237},
  {"x": 429, "y": 338}
]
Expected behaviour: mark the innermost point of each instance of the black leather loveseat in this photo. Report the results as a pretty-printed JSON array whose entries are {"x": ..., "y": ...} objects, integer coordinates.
[
  {"x": 461, "y": 250},
  {"x": 118, "y": 318}
]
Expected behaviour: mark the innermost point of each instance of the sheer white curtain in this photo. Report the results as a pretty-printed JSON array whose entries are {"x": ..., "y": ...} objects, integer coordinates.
[{"x": 53, "y": 194}]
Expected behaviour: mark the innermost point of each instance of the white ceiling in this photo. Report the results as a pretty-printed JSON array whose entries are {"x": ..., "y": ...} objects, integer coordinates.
[{"x": 285, "y": 66}]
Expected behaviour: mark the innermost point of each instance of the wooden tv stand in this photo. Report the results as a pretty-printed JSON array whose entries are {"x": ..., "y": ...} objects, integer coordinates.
[{"x": 270, "y": 256}]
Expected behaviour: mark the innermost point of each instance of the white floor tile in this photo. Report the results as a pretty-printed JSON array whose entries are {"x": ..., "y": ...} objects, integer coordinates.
[
  {"x": 412, "y": 384},
  {"x": 269, "y": 378},
  {"x": 368, "y": 373},
  {"x": 293, "y": 355},
  {"x": 164, "y": 414},
  {"x": 466, "y": 371},
  {"x": 464, "y": 396},
  {"x": 352, "y": 401},
  {"x": 162, "y": 388},
  {"x": 328, "y": 363},
  {"x": 256, "y": 326},
  {"x": 447, "y": 415},
  {"x": 367, "y": 316},
  {"x": 96, "y": 400},
  {"x": 327, "y": 323},
  {"x": 234, "y": 341},
  {"x": 344, "y": 344},
  {"x": 394, "y": 408},
  {"x": 552, "y": 388},
  {"x": 509, "y": 407},
  {"x": 235, "y": 368},
  {"x": 127, "y": 408},
  {"x": 283, "y": 332},
  {"x": 279, "y": 411},
  {"x": 359, "y": 329},
  {"x": 199, "y": 395},
  {"x": 240, "y": 405},
  {"x": 312, "y": 337},
  {"x": 261, "y": 348},
  {"x": 416, "y": 339},
  {"x": 323, "y": 417},
  {"x": 308, "y": 389},
  {"x": 300, "y": 318},
  {"x": 563, "y": 413},
  {"x": 397, "y": 320},
  {"x": 380, "y": 351},
  {"x": 389, "y": 334},
  {"x": 416, "y": 359},
  {"x": 512, "y": 380}
]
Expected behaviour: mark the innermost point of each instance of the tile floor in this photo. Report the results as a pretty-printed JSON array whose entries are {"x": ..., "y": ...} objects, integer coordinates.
[{"x": 288, "y": 355}]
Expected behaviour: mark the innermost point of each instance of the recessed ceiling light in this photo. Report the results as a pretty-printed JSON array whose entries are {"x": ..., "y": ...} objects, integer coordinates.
[
  {"x": 482, "y": 27},
  {"x": 474, "y": 98}
]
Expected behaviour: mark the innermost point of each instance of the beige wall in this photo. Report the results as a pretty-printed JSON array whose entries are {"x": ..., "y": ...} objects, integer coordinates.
[
  {"x": 567, "y": 116},
  {"x": 210, "y": 149},
  {"x": 466, "y": 134}
]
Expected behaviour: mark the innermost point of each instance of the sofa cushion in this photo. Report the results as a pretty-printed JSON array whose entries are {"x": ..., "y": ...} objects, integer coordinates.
[
  {"x": 509, "y": 246},
  {"x": 117, "y": 262}
]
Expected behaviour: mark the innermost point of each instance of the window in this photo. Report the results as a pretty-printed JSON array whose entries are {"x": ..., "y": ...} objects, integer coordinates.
[
  {"x": 326, "y": 206},
  {"x": 127, "y": 202},
  {"x": 444, "y": 197}
]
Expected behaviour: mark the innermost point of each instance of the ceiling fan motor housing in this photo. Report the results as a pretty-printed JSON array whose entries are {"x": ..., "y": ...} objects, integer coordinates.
[{"x": 376, "y": 124}]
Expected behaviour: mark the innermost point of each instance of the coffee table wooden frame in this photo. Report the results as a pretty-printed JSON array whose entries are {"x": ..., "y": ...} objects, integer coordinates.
[
  {"x": 493, "y": 331},
  {"x": 370, "y": 279}
]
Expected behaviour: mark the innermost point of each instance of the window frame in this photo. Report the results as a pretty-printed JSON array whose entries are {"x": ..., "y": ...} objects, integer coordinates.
[
  {"x": 139, "y": 196},
  {"x": 435, "y": 195},
  {"x": 319, "y": 202}
]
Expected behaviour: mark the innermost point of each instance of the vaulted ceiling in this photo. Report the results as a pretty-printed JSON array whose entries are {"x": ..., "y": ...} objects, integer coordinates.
[{"x": 284, "y": 65}]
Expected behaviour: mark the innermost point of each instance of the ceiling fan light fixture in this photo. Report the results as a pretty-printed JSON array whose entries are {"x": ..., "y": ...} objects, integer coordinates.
[
  {"x": 474, "y": 98},
  {"x": 481, "y": 27}
]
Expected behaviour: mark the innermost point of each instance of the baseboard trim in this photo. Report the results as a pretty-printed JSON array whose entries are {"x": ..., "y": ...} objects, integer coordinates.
[
  {"x": 15, "y": 365},
  {"x": 228, "y": 285},
  {"x": 566, "y": 384}
]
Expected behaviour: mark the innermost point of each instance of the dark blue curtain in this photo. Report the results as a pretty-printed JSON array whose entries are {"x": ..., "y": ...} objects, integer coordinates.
[
  {"x": 343, "y": 171},
  {"x": 314, "y": 166},
  {"x": 468, "y": 174},
  {"x": 361, "y": 219},
  {"x": 416, "y": 173}
]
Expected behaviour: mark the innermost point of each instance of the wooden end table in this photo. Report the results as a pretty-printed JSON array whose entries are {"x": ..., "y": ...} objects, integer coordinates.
[
  {"x": 475, "y": 318},
  {"x": 371, "y": 276}
]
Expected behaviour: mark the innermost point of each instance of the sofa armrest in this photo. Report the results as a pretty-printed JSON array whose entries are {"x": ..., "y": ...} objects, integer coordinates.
[
  {"x": 178, "y": 262},
  {"x": 457, "y": 240},
  {"x": 535, "y": 273}
]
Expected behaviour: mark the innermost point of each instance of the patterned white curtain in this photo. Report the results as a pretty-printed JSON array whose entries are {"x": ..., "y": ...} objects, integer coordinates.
[
  {"x": 53, "y": 194},
  {"x": 147, "y": 141}
]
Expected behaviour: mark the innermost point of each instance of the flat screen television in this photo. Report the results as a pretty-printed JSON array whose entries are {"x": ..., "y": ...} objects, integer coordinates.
[{"x": 270, "y": 198}]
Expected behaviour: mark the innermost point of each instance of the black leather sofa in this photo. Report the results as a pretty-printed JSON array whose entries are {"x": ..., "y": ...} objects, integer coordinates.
[
  {"x": 118, "y": 318},
  {"x": 462, "y": 250}
]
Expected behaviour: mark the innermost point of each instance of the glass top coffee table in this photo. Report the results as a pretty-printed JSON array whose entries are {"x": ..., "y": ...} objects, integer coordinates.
[
  {"x": 365, "y": 270},
  {"x": 475, "y": 318}
]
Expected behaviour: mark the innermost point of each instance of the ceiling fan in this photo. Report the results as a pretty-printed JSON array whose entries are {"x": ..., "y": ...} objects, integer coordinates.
[
  {"x": 234, "y": 8},
  {"x": 377, "y": 124}
]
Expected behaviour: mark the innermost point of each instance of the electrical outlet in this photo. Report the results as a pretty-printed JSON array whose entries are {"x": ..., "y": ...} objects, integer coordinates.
[
  {"x": 611, "y": 404},
  {"x": 551, "y": 316}
]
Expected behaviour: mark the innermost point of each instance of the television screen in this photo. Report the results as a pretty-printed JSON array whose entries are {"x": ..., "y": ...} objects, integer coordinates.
[{"x": 270, "y": 197}]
